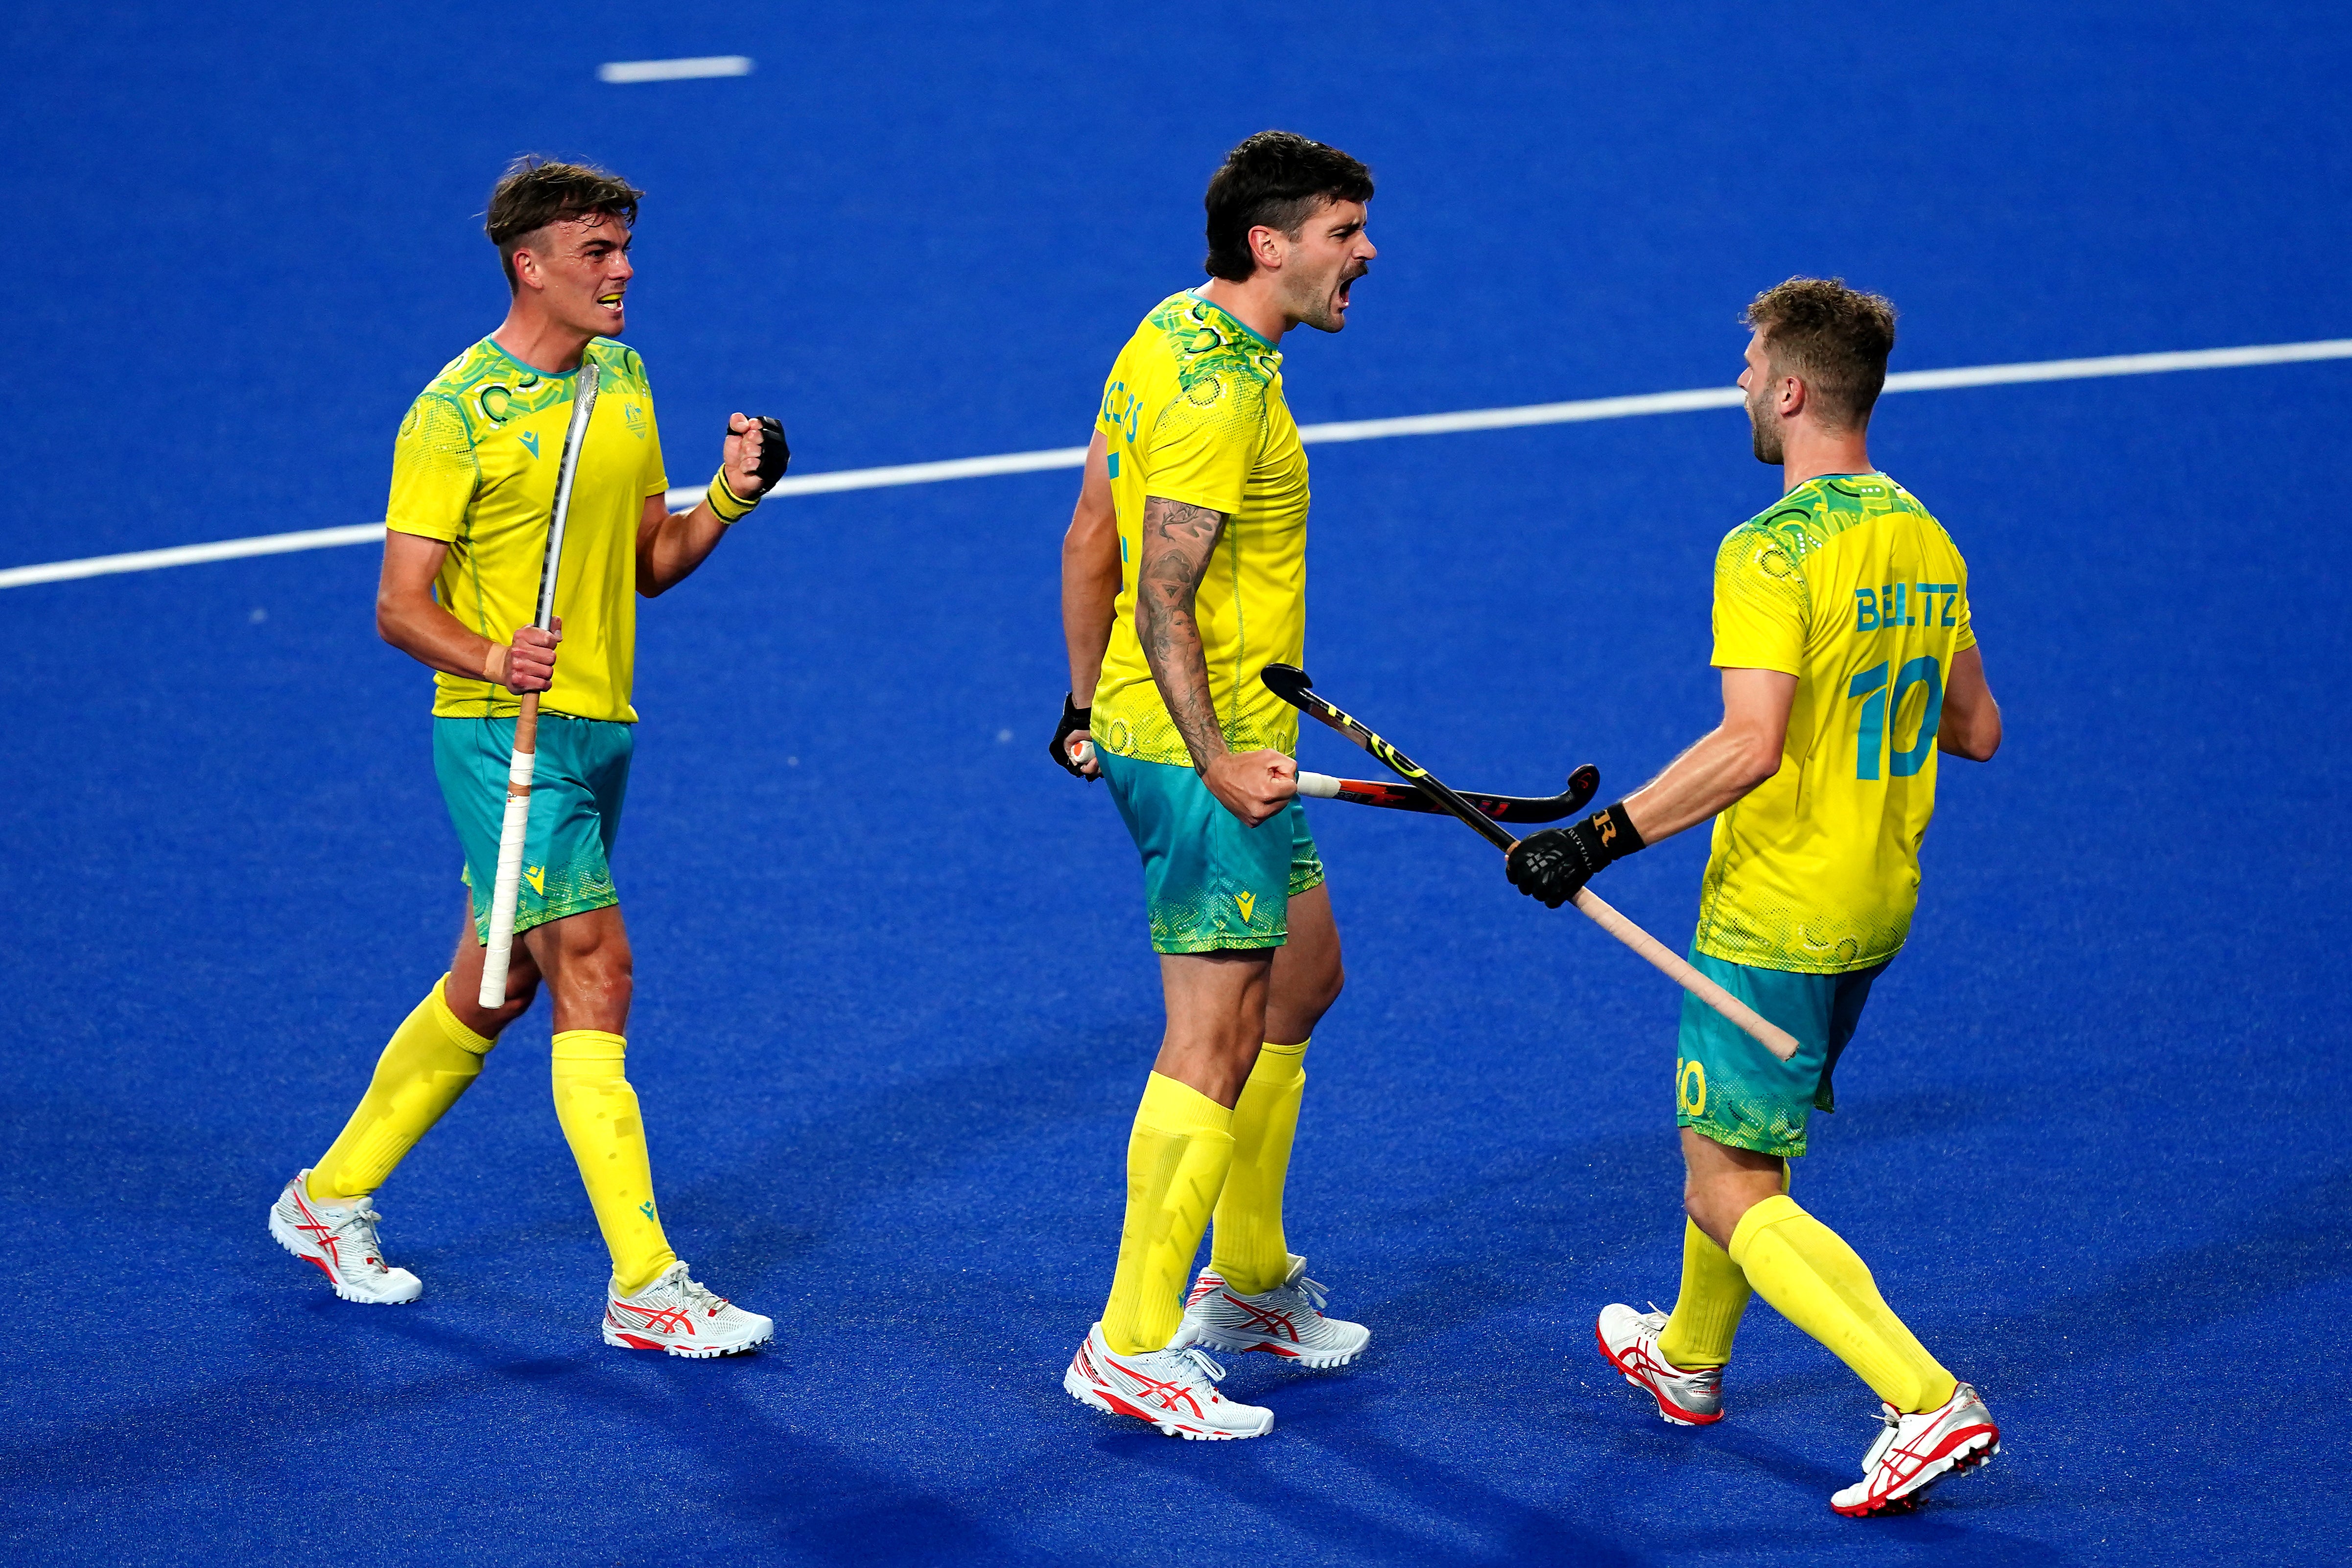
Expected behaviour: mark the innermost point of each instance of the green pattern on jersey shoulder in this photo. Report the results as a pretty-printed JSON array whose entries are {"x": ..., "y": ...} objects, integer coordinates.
[
  {"x": 1775, "y": 542},
  {"x": 487, "y": 387},
  {"x": 1208, "y": 345}
]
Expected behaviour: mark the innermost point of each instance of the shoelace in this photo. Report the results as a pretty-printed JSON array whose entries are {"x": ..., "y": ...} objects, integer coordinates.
[
  {"x": 1312, "y": 1291},
  {"x": 1200, "y": 1364},
  {"x": 360, "y": 1225},
  {"x": 692, "y": 1294}
]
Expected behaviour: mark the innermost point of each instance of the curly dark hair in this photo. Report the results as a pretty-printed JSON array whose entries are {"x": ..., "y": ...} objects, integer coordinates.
[
  {"x": 535, "y": 191},
  {"x": 1275, "y": 180},
  {"x": 1836, "y": 338}
]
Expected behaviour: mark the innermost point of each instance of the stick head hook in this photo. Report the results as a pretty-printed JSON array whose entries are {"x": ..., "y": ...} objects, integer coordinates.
[{"x": 1288, "y": 682}]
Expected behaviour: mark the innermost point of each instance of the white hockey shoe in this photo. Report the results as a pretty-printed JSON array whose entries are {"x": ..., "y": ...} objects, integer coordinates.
[
  {"x": 1629, "y": 1341},
  {"x": 1175, "y": 1389},
  {"x": 1914, "y": 1452},
  {"x": 677, "y": 1314},
  {"x": 1286, "y": 1321},
  {"x": 340, "y": 1240}
]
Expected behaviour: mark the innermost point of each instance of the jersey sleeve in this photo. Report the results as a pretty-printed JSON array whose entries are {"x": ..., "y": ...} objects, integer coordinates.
[
  {"x": 1205, "y": 441},
  {"x": 434, "y": 472},
  {"x": 1760, "y": 605},
  {"x": 655, "y": 475},
  {"x": 1966, "y": 637}
]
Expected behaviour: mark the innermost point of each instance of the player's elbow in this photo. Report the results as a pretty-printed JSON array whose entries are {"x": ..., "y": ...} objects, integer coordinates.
[
  {"x": 1977, "y": 743},
  {"x": 391, "y": 620},
  {"x": 1755, "y": 760}
]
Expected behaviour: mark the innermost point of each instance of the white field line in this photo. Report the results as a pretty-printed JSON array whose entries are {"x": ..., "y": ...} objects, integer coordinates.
[
  {"x": 625, "y": 71},
  {"x": 1342, "y": 430}
]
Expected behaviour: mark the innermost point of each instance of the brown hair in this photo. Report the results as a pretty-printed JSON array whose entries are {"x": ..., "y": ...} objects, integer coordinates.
[
  {"x": 1836, "y": 338},
  {"x": 534, "y": 192}
]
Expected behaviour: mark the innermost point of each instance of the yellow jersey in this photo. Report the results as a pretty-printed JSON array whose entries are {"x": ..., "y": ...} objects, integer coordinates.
[
  {"x": 1852, "y": 587},
  {"x": 1193, "y": 411},
  {"x": 475, "y": 466}
]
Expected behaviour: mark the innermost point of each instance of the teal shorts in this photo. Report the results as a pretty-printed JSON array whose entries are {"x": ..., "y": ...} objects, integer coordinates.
[
  {"x": 1210, "y": 883},
  {"x": 1734, "y": 1090},
  {"x": 576, "y": 788}
]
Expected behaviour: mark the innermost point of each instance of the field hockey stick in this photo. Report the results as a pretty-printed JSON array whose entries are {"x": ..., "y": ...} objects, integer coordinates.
[
  {"x": 508, "y": 890},
  {"x": 1291, "y": 685},
  {"x": 1404, "y": 798},
  {"x": 1503, "y": 808}
]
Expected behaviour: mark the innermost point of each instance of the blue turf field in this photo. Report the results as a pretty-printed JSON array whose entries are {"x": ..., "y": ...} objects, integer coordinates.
[{"x": 894, "y": 1003}]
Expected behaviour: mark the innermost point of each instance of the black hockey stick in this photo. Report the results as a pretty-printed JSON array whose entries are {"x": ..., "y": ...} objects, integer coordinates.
[
  {"x": 1290, "y": 684},
  {"x": 1503, "y": 808}
]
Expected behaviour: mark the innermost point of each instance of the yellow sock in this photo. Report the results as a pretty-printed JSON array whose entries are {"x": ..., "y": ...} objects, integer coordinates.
[
  {"x": 598, "y": 1112},
  {"x": 1177, "y": 1158},
  {"x": 431, "y": 1061},
  {"x": 1707, "y": 1313},
  {"x": 1248, "y": 1247},
  {"x": 1813, "y": 1280}
]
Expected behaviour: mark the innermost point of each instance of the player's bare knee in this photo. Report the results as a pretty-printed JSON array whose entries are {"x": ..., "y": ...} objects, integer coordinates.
[{"x": 1335, "y": 980}]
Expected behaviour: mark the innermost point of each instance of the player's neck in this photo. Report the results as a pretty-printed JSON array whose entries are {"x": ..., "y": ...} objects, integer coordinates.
[
  {"x": 1253, "y": 302},
  {"x": 538, "y": 340},
  {"x": 1808, "y": 452}
]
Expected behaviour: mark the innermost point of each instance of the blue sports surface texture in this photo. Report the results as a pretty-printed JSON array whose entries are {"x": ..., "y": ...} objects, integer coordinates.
[{"x": 895, "y": 1002}]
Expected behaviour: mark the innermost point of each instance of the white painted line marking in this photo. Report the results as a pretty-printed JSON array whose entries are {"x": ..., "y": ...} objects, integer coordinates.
[
  {"x": 190, "y": 554},
  {"x": 701, "y": 65},
  {"x": 1342, "y": 430}
]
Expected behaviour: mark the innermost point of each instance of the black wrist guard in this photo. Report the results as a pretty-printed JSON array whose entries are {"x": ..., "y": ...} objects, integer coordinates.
[
  {"x": 1076, "y": 720},
  {"x": 775, "y": 453},
  {"x": 1554, "y": 866}
]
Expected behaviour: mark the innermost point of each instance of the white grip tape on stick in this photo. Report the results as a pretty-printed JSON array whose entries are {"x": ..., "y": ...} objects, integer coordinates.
[
  {"x": 1319, "y": 786},
  {"x": 507, "y": 891},
  {"x": 1770, "y": 1036}
]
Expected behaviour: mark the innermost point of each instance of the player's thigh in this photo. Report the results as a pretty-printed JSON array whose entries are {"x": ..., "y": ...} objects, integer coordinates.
[
  {"x": 1727, "y": 1087},
  {"x": 1210, "y": 883}
]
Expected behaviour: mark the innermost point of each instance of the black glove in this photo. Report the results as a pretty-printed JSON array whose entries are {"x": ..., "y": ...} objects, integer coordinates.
[
  {"x": 1074, "y": 721},
  {"x": 1554, "y": 864},
  {"x": 775, "y": 453}
]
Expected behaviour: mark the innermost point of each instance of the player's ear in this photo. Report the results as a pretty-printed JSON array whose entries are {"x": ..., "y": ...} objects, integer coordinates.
[{"x": 1266, "y": 246}]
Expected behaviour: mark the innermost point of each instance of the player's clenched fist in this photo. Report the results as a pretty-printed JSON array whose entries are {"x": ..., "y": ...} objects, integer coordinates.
[
  {"x": 1251, "y": 785},
  {"x": 529, "y": 665},
  {"x": 756, "y": 454},
  {"x": 1554, "y": 866}
]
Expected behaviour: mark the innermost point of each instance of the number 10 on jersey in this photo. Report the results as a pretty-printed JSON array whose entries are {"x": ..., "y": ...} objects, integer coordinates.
[{"x": 1870, "y": 688}]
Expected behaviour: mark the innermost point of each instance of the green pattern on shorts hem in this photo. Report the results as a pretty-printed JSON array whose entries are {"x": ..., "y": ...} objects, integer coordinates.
[
  {"x": 1218, "y": 944},
  {"x": 1753, "y": 1140},
  {"x": 1305, "y": 878},
  {"x": 574, "y": 894}
]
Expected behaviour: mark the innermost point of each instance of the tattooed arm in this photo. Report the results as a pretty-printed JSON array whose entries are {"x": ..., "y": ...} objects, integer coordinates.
[{"x": 1179, "y": 540}]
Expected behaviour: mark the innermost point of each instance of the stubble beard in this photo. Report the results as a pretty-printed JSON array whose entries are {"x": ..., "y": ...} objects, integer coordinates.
[
  {"x": 1315, "y": 307},
  {"x": 1766, "y": 433}
]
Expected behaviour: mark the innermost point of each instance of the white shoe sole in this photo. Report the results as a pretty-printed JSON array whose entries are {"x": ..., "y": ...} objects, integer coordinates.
[
  {"x": 689, "y": 1349},
  {"x": 1296, "y": 1355},
  {"x": 287, "y": 1237},
  {"x": 1087, "y": 1394}
]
